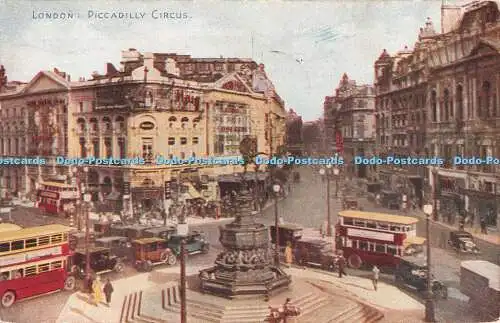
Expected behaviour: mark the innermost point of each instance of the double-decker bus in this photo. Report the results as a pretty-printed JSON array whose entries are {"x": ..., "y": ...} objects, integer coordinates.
[
  {"x": 377, "y": 239},
  {"x": 52, "y": 197},
  {"x": 34, "y": 261}
]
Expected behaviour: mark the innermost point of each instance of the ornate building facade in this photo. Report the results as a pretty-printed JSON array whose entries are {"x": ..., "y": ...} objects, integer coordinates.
[
  {"x": 294, "y": 142},
  {"x": 355, "y": 120},
  {"x": 155, "y": 106},
  {"x": 442, "y": 99}
]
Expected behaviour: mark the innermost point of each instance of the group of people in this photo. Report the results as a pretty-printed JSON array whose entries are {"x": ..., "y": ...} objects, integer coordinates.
[{"x": 96, "y": 290}]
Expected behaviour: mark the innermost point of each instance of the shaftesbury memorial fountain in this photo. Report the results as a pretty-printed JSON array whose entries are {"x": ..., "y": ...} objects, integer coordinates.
[{"x": 244, "y": 268}]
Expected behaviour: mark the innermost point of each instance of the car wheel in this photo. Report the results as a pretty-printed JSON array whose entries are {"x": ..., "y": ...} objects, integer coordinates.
[
  {"x": 70, "y": 283},
  {"x": 205, "y": 248},
  {"x": 354, "y": 261},
  {"x": 171, "y": 260},
  {"x": 163, "y": 257},
  {"x": 119, "y": 267},
  {"x": 8, "y": 298}
]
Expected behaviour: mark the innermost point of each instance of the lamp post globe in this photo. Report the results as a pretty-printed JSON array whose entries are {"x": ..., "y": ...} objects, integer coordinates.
[
  {"x": 322, "y": 171},
  {"x": 276, "y": 188},
  {"x": 336, "y": 171}
]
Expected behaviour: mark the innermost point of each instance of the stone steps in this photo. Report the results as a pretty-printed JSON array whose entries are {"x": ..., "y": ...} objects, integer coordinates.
[
  {"x": 132, "y": 310},
  {"x": 310, "y": 303},
  {"x": 360, "y": 313}
]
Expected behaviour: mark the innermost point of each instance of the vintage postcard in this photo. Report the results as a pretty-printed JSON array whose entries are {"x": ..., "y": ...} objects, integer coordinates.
[{"x": 249, "y": 161}]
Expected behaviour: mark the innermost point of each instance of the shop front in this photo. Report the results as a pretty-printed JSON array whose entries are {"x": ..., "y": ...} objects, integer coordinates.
[
  {"x": 451, "y": 202},
  {"x": 146, "y": 198},
  {"x": 483, "y": 206}
]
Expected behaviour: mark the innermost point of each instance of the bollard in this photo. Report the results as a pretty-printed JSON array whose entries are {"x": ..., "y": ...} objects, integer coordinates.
[
  {"x": 169, "y": 297},
  {"x": 133, "y": 305},
  {"x": 174, "y": 291},
  {"x": 123, "y": 309},
  {"x": 128, "y": 308},
  {"x": 163, "y": 299},
  {"x": 140, "y": 304}
]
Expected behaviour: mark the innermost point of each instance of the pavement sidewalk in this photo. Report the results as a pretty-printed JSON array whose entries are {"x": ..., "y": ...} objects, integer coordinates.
[
  {"x": 387, "y": 297},
  {"x": 78, "y": 309}
]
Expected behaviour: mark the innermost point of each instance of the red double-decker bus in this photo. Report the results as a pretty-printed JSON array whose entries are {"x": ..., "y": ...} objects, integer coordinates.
[
  {"x": 34, "y": 261},
  {"x": 376, "y": 238},
  {"x": 52, "y": 197}
]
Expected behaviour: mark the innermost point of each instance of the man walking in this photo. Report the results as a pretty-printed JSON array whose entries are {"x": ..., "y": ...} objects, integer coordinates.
[
  {"x": 375, "y": 271},
  {"x": 108, "y": 290}
]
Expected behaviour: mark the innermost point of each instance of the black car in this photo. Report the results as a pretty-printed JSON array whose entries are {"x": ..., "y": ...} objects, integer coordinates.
[
  {"x": 462, "y": 241},
  {"x": 412, "y": 272},
  {"x": 288, "y": 232},
  {"x": 119, "y": 246},
  {"x": 163, "y": 232},
  {"x": 195, "y": 243},
  {"x": 101, "y": 261},
  {"x": 316, "y": 253}
]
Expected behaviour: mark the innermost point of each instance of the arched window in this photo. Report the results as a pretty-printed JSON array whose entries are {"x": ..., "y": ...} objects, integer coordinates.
[
  {"x": 434, "y": 111},
  {"x": 184, "y": 121},
  {"x": 94, "y": 126},
  {"x": 460, "y": 102},
  {"x": 81, "y": 124},
  {"x": 83, "y": 149},
  {"x": 446, "y": 101},
  {"x": 107, "y": 123},
  {"x": 171, "y": 121}
]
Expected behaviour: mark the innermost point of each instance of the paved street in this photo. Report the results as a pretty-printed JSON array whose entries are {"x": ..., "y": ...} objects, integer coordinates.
[{"x": 305, "y": 205}]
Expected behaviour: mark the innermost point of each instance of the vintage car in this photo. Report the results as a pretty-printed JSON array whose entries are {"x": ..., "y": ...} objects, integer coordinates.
[
  {"x": 412, "y": 272},
  {"x": 119, "y": 246},
  {"x": 288, "y": 232},
  {"x": 117, "y": 229},
  {"x": 150, "y": 252},
  {"x": 163, "y": 232},
  {"x": 195, "y": 243},
  {"x": 462, "y": 241},
  {"x": 102, "y": 260},
  {"x": 316, "y": 253}
]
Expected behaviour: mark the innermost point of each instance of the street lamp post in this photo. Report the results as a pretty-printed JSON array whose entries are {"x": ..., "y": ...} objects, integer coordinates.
[
  {"x": 276, "y": 189},
  {"x": 429, "y": 302},
  {"x": 182, "y": 231},
  {"x": 326, "y": 175}
]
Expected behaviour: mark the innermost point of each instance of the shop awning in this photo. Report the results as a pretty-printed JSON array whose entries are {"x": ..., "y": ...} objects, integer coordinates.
[{"x": 192, "y": 192}]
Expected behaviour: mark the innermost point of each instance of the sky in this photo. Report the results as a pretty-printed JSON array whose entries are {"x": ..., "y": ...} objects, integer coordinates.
[{"x": 306, "y": 46}]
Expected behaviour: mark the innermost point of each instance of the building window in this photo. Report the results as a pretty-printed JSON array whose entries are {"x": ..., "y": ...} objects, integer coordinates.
[
  {"x": 183, "y": 140},
  {"x": 147, "y": 149},
  {"x": 183, "y": 155},
  {"x": 484, "y": 100},
  {"x": 434, "y": 106},
  {"x": 95, "y": 144},
  {"x": 184, "y": 122},
  {"x": 107, "y": 124},
  {"x": 83, "y": 150},
  {"x": 80, "y": 107},
  {"x": 447, "y": 110},
  {"x": 460, "y": 102},
  {"x": 109, "y": 147},
  {"x": 93, "y": 125},
  {"x": 171, "y": 141},
  {"x": 122, "y": 148},
  {"x": 195, "y": 140}
]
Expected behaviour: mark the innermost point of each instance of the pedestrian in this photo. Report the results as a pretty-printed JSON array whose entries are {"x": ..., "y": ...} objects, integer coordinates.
[
  {"x": 108, "y": 290},
  {"x": 341, "y": 264},
  {"x": 296, "y": 252},
  {"x": 90, "y": 282},
  {"x": 97, "y": 291},
  {"x": 483, "y": 226},
  {"x": 288, "y": 254},
  {"x": 375, "y": 271}
]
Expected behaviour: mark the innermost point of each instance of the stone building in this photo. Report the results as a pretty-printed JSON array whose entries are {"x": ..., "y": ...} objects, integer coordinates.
[
  {"x": 441, "y": 99},
  {"x": 294, "y": 142},
  {"x": 355, "y": 120},
  {"x": 156, "y": 105}
]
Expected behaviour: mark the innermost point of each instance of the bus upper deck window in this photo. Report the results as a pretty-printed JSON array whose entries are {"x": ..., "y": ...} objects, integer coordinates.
[
  {"x": 17, "y": 245},
  {"x": 5, "y": 276},
  {"x": 4, "y": 247}
]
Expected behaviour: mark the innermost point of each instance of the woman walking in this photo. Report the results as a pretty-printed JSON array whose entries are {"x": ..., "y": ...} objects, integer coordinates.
[{"x": 97, "y": 291}]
